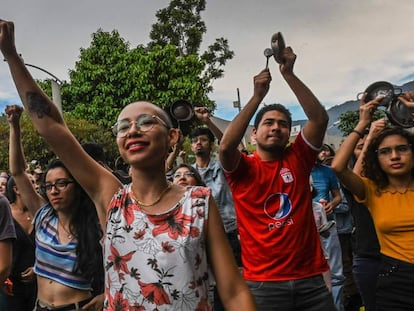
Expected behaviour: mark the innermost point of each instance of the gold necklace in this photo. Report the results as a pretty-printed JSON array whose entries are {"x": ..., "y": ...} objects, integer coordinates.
[
  {"x": 68, "y": 233},
  {"x": 157, "y": 200}
]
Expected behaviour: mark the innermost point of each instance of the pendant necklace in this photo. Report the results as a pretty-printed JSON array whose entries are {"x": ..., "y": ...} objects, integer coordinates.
[
  {"x": 157, "y": 200},
  {"x": 68, "y": 233},
  {"x": 24, "y": 211}
]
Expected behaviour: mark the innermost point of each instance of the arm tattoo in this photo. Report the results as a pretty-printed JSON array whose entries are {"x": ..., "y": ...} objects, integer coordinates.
[{"x": 37, "y": 104}]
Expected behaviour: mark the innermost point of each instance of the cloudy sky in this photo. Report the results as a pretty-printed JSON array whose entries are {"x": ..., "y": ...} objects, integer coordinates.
[{"x": 341, "y": 46}]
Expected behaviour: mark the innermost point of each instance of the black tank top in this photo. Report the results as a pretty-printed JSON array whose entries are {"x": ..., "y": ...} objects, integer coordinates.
[{"x": 23, "y": 251}]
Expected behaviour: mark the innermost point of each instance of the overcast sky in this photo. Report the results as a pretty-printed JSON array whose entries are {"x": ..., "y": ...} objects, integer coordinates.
[{"x": 341, "y": 46}]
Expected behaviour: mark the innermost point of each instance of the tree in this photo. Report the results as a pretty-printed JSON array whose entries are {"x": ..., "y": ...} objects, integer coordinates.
[
  {"x": 216, "y": 57},
  {"x": 46, "y": 86},
  {"x": 180, "y": 24},
  {"x": 100, "y": 84},
  {"x": 35, "y": 147},
  {"x": 349, "y": 119},
  {"x": 109, "y": 75}
]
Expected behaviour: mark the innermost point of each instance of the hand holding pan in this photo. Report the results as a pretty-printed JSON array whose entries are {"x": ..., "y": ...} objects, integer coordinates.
[{"x": 278, "y": 45}]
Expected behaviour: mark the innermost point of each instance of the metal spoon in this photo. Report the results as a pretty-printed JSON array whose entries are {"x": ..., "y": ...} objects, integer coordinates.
[{"x": 268, "y": 53}]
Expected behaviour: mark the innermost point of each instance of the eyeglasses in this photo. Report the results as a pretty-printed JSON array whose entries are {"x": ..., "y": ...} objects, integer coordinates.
[
  {"x": 144, "y": 123},
  {"x": 186, "y": 175},
  {"x": 60, "y": 185},
  {"x": 400, "y": 149}
]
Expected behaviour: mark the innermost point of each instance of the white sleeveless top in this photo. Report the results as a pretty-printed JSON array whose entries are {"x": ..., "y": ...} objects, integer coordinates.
[{"x": 157, "y": 261}]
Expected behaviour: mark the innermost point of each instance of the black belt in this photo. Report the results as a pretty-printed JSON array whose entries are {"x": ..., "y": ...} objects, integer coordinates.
[{"x": 68, "y": 307}]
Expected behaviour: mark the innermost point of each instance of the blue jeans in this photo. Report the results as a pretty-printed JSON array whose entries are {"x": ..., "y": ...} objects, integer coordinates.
[
  {"x": 332, "y": 248},
  {"x": 310, "y": 294},
  {"x": 365, "y": 270}
]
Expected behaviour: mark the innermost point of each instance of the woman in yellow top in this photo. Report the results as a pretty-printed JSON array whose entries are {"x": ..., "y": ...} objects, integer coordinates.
[{"x": 386, "y": 187}]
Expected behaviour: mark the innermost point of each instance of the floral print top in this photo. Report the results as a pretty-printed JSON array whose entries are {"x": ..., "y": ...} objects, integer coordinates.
[{"x": 157, "y": 262}]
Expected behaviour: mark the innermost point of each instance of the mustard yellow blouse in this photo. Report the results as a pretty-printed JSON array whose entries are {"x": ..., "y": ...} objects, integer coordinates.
[{"x": 393, "y": 216}]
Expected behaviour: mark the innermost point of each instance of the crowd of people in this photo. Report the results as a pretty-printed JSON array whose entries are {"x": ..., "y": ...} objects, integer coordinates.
[{"x": 293, "y": 225}]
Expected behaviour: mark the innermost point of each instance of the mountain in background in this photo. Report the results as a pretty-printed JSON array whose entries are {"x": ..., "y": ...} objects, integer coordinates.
[{"x": 351, "y": 105}]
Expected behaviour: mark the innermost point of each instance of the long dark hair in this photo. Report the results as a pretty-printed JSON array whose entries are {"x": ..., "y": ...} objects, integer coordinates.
[
  {"x": 10, "y": 193},
  {"x": 371, "y": 166},
  {"x": 84, "y": 224}
]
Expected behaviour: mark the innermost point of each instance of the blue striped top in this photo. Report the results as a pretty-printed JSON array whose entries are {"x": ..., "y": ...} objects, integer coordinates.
[{"x": 54, "y": 260}]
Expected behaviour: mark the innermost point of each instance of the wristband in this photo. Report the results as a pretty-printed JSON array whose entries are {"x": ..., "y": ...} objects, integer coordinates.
[{"x": 361, "y": 135}]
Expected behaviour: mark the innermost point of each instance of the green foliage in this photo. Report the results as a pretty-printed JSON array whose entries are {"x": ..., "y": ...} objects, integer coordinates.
[
  {"x": 46, "y": 86},
  {"x": 109, "y": 76},
  {"x": 100, "y": 83},
  {"x": 35, "y": 147},
  {"x": 162, "y": 77},
  {"x": 349, "y": 119},
  {"x": 251, "y": 148},
  {"x": 85, "y": 131},
  {"x": 180, "y": 24},
  {"x": 216, "y": 57}
]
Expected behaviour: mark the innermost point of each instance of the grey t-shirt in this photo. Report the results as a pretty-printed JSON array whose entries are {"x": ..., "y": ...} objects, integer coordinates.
[{"x": 7, "y": 230}]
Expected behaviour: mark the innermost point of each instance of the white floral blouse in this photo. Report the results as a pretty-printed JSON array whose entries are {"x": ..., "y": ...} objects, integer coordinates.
[{"x": 157, "y": 262}]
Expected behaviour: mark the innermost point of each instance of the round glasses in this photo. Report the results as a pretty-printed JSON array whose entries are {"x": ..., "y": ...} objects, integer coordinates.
[
  {"x": 59, "y": 185},
  {"x": 144, "y": 123},
  {"x": 186, "y": 175}
]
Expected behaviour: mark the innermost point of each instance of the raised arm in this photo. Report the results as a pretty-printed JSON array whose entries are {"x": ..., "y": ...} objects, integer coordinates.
[
  {"x": 375, "y": 128},
  {"x": 315, "y": 127},
  {"x": 170, "y": 161},
  {"x": 228, "y": 149},
  {"x": 98, "y": 182},
  {"x": 348, "y": 178},
  {"x": 30, "y": 197},
  {"x": 203, "y": 114}
]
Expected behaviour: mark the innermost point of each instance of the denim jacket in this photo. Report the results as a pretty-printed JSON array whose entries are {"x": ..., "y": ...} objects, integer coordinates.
[
  {"x": 343, "y": 216},
  {"x": 214, "y": 178}
]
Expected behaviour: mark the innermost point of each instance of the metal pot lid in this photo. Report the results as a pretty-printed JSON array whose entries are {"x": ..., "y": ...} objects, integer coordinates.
[
  {"x": 182, "y": 110},
  {"x": 380, "y": 88},
  {"x": 399, "y": 114}
]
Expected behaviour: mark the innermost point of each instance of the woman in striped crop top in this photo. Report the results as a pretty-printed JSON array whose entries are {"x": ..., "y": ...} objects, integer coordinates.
[{"x": 68, "y": 255}]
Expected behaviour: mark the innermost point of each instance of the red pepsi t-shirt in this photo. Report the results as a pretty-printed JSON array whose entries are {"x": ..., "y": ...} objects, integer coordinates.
[{"x": 273, "y": 202}]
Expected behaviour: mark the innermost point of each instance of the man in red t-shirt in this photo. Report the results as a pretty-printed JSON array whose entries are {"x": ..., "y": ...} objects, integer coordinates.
[{"x": 281, "y": 252}]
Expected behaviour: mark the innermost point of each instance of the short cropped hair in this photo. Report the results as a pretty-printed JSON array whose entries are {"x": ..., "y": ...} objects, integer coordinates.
[
  {"x": 202, "y": 131},
  {"x": 273, "y": 107}
]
